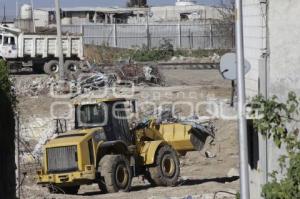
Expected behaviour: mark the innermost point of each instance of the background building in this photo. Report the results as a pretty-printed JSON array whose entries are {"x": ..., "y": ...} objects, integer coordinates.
[{"x": 183, "y": 10}]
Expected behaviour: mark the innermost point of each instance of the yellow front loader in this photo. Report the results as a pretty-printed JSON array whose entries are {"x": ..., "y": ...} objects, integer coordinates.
[{"x": 103, "y": 149}]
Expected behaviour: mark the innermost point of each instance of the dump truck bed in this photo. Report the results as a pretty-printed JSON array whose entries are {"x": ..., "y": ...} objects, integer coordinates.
[{"x": 42, "y": 45}]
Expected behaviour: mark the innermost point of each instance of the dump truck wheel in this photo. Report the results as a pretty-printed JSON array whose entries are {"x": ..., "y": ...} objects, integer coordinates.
[
  {"x": 166, "y": 170},
  {"x": 72, "y": 69},
  {"x": 116, "y": 172},
  {"x": 51, "y": 67},
  {"x": 72, "y": 190}
]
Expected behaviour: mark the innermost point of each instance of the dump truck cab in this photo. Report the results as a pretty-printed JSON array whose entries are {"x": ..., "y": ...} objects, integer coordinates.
[{"x": 8, "y": 45}]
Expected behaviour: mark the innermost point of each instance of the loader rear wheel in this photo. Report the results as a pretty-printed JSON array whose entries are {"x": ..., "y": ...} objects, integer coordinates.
[
  {"x": 167, "y": 167},
  {"x": 72, "y": 190},
  {"x": 115, "y": 170},
  {"x": 51, "y": 67}
]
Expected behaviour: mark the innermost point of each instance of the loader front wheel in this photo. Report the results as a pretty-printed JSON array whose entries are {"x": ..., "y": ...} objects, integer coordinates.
[
  {"x": 115, "y": 170},
  {"x": 167, "y": 167}
]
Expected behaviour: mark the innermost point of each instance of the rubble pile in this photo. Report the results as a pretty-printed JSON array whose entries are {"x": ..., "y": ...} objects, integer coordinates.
[
  {"x": 32, "y": 85},
  {"x": 138, "y": 74},
  {"x": 214, "y": 58}
]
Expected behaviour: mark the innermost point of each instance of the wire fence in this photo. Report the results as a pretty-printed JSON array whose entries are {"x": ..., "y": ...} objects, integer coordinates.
[{"x": 181, "y": 36}]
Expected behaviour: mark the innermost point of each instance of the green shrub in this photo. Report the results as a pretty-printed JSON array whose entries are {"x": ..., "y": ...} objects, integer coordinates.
[
  {"x": 279, "y": 124},
  {"x": 6, "y": 85},
  {"x": 7, "y": 135}
]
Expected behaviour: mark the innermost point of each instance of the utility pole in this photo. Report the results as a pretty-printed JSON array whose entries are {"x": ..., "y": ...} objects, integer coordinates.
[
  {"x": 242, "y": 124},
  {"x": 4, "y": 14},
  {"x": 59, "y": 41},
  {"x": 17, "y": 9},
  {"x": 32, "y": 14}
]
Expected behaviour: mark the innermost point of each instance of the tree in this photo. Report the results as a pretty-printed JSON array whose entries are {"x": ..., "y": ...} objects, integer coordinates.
[{"x": 7, "y": 136}]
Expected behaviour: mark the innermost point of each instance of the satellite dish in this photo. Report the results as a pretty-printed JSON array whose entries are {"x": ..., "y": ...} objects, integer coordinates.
[{"x": 228, "y": 66}]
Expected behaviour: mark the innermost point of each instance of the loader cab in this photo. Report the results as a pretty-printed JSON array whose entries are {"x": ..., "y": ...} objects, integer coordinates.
[
  {"x": 108, "y": 114},
  {"x": 8, "y": 45}
]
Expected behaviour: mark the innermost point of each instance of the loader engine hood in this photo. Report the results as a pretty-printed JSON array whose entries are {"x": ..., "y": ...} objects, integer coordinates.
[
  {"x": 75, "y": 137},
  {"x": 72, "y": 151}
]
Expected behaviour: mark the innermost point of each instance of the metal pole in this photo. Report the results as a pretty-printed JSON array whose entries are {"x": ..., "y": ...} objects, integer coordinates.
[
  {"x": 244, "y": 173},
  {"x": 17, "y": 9},
  {"x": 59, "y": 41},
  {"x": 147, "y": 31},
  {"x": 211, "y": 41},
  {"x": 18, "y": 155},
  {"x": 179, "y": 34},
  {"x": 115, "y": 35},
  {"x": 32, "y": 14}
]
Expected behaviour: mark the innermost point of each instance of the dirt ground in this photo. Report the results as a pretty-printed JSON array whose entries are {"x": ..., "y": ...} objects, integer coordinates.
[{"x": 201, "y": 177}]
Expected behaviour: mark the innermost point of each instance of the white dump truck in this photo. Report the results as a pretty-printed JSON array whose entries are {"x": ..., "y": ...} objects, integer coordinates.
[{"x": 40, "y": 51}]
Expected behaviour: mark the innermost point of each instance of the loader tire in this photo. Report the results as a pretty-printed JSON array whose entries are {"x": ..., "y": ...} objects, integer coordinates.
[
  {"x": 51, "y": 67},
  {"x": 71, "y": 190},
  {"x": 167, "y": 167},
  {"x": 148, "y": 177},
  {"x": 115, "y": 170},
  {"x": 101, "y": 183}
]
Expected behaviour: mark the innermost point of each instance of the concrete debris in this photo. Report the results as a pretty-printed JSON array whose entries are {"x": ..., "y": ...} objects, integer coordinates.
[
  {"x": 139, "y": 74},
  {"x": 215, "y": 58},
  {"x": 95, "y": 81},
  {"x": 218, "y": 195},
  {"x": 32, "y": 85},
  {"x": 233, "y": 172},
  {"x": 209, "y": 154},
  {"x": 199, "y": 124},
  {"x": 49, "y": 134}
]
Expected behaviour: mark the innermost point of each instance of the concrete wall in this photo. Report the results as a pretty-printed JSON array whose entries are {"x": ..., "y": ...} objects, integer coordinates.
[
  {"x": 41, "y": 18},
  {"x": 254, "y": 40},
  {"x": 171, "y": 13},
  {"x": 284, "y": 46},
  {"x": 255, "y": 45},
  {"x": 282, "y": 68}
]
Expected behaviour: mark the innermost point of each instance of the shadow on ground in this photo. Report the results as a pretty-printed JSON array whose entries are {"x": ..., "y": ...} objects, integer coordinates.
[{"x": 188, "y": 182}]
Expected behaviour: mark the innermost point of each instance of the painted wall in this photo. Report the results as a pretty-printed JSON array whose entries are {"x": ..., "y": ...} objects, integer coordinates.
[
  {"x": 284, "y": 46},
  {"x": 254, "y": 41},
  {"x": 282, "y": 69}
]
